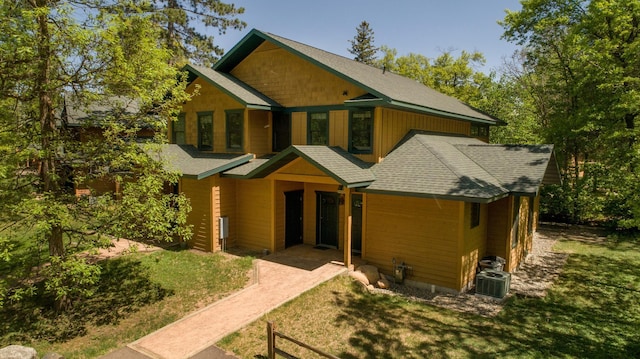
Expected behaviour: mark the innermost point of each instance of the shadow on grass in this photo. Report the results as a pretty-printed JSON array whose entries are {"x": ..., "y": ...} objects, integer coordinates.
[
  {"x": 124, "y": 287},
  {"x": 592, "y": 311}
]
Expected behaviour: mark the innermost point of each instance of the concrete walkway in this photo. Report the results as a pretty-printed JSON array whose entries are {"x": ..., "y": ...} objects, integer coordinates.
[{"x": 281, "y": 277}]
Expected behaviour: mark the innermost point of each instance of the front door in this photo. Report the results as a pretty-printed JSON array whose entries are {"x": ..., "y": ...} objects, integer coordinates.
[
  {"x": 293, "y": 218},
  {"x": 327, "y": 219},
  {"x": 356, "y": 223}
]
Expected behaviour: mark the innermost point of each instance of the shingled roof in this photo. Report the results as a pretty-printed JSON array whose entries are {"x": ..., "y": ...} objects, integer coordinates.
[
  {"x": 460, "y": 168},
  {"x": 385, "y": 88},
  {"x": 337, "y": 163},
  {"x": 192, "y": 163},
  {"x": 238, "y": 90}
]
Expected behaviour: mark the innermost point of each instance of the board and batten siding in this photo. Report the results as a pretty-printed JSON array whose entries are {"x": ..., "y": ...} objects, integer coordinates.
[
  {"x": 292, "y": 81},
  {"x": 253, "y": 213},
  {"x": 474, "y": 245},
  {"x": 423, "y": 233},
  {"x": 499, "y": 227},
  {"x": 395, "y": 124},
  {"x": 258, "y": 139},
  {"x": 200, "y": 215}
]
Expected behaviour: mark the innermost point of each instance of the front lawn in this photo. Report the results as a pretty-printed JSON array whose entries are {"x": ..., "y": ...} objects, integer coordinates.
[
  {"x": 138, "y": 294},
  {"x": 592, "y": 311}
]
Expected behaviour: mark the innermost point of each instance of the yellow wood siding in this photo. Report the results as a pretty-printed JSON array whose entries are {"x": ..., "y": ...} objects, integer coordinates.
[
  {"x": 292, "y": 81},
  {"x": 301, "y": 167},
  {"x": 339, "y": 129},
  {"x": 225, "y": 207},
  {"x": 525, "y": 239},
  {"x": 253, "y": 213},
  {"x": 200, "y": 216},
  {"x": 474, "y": 244},
  {"x": 499, "y": 227},
  {"x": 209, "y": 99},
  {"x": 423, "y": 233},
  {"x": 258, "y": 141},
  {"x": 299, "y": 128},
  {"x": 395, "y": 124}
]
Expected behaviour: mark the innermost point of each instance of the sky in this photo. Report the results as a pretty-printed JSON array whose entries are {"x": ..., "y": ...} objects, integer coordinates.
[{"x": 426, "y": 27}]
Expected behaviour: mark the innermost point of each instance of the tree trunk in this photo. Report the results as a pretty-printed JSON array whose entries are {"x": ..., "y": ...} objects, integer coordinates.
[{"x": 46, "y": 117}]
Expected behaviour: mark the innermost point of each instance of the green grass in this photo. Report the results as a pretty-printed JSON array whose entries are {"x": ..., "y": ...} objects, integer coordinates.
[
  {"x": 593, "y": 311},
  {"x": 137, "y": 295}
]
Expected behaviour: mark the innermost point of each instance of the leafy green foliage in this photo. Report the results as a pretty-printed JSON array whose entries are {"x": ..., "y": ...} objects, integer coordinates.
[
  {"x": 452, "y": 76},
  {"x": 362, "y": 45},
  {"x": 78, "y": 94},
  {"x": 181, "y": 22},
  {"x": 582, "y": 70}
]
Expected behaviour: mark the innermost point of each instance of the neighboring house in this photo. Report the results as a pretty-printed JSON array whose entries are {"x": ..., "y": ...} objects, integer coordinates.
[{"x": 292, "y": 145}]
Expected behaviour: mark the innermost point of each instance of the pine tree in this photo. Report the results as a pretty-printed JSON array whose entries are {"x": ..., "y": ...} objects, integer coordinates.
[
  {"x": 181, "y": 21},
  {"x": 362, "y": 44}
]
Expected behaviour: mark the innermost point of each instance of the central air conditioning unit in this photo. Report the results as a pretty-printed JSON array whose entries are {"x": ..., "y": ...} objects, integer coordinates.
[{"x": 493, "y": 283}]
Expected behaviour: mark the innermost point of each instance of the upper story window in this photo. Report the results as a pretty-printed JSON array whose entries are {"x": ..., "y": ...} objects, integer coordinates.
[
  {"x": 234, "y": 130},
  {"x": 205, "y": 131},
  {"x": 318, "y": 128},
  {"x": 479, "y": 130},
  {"x": 361, "y": 131},
  {"x": 178, "y": 130}
]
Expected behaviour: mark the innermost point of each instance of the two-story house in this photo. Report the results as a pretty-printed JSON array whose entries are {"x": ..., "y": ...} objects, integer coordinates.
[{"x": 294, "y": 145}]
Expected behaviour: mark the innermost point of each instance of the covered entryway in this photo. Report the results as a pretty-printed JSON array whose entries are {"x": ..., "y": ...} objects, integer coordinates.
[
  {"x": 293, "y": 218},
  {"x": 327, "y": 219}
]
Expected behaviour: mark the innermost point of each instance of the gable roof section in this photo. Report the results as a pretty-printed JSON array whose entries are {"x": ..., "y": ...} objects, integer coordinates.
[
  {"x": 385, "y": 88},
  {"x": 337, "y": 163},
  {"x": 520, "y": 168},
  {"x": 195, "y": 164},
  {"x": 236, "y": 89},
  {"x": 459, "y": 168}
]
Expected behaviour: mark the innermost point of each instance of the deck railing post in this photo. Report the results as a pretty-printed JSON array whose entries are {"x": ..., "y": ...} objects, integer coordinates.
[{"x": 271, "y": 341}]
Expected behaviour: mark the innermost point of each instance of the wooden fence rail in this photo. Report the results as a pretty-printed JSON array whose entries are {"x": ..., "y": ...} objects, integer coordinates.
[{"x": 273, "y": 350}]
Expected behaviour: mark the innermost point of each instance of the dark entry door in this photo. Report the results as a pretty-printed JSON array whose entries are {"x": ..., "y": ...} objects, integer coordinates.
[
  {"x": 356, "y": 223},
  {"x": 327, "y": 219},
  {"x": 281, "y": 131},
  {"x": 293, "y": 218}
]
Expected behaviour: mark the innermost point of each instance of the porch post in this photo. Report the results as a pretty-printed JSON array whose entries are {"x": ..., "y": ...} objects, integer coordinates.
[{"x": 347, "y": 227}]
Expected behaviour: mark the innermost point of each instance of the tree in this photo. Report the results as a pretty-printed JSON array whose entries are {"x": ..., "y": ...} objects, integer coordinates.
[
  {"x": 362, "y": 44},
  {"x": 185, "y": 25},
  {"x": 584, "y": 57},
  {"x": 111, "y": 57},
  {"x": 447, "y": 74}
]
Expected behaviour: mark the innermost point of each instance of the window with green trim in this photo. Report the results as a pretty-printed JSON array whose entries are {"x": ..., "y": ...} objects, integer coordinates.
[
  {"x": 234, "y": 130},
  {"x": 479, "y": 130},
  {"x": 205, "y": 131},
  {"x": 178, "y": 130},
  {"x": 318, "y": 128},
  {"x": 361, "y": 131}
]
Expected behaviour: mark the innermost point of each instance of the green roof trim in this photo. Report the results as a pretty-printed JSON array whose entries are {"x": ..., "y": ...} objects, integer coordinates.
[
  {"x": 388, "y": 89},
  {"x": 436, "y": 196},
  {"x": 241, "y": 92},
  {"x": 338, "y": 164}
]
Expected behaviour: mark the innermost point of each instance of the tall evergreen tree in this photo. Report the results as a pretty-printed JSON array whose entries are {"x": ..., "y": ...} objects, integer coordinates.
[
  {"x": 362, "y": 46},
  {"x": 186, "y": 27},
  {"x": 111, "y": 57}
]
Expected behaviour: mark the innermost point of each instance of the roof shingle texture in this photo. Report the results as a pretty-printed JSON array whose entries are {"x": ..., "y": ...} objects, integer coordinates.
[{"x": 452, "y": 167}]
